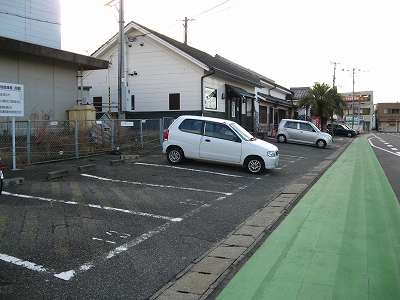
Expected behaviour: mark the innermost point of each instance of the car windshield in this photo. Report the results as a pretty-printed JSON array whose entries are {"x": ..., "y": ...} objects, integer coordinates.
[
  {"x": 243, "y": 133},
  {"x": 315, "y": 127},
  {"x": 346, "y": 127}
]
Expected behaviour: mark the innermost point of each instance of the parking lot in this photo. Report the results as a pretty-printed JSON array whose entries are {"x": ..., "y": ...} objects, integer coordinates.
[{"x": 123, "y": 231}]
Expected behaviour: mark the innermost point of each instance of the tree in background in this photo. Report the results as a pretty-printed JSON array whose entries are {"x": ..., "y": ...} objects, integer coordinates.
[{"x": 324, "y": 102}]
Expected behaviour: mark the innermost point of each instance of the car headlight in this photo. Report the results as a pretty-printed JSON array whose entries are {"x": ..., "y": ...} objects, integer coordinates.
[{"x": 272, "y": 153}]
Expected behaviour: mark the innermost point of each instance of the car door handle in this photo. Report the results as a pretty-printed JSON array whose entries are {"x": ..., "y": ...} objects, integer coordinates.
[{"x": 207, "y": 140}]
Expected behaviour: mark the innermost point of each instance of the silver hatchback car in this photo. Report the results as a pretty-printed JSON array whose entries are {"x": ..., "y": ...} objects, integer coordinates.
[{"x": 304, "y": 132}]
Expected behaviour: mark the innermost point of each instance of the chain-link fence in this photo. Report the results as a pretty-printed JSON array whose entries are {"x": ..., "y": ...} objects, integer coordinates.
[{"x": 46, "y": 141}]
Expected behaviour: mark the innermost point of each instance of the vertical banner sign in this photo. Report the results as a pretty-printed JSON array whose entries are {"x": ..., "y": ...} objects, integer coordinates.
[
  {"x": 12, "y": 105},
  {"x": 11, "y": 100}
]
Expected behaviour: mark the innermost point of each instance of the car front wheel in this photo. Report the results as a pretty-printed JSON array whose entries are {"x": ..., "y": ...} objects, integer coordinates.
[
  {"x": 321, "y": 144},
  {"x": 254, "y": 165},
  {"x": 175, "y": 155},
  {"x": 281, "y": 138},
  {"x": 349, "y": 134}
]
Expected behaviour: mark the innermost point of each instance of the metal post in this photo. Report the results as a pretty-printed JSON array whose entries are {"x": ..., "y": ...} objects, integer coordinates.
[
  {"x": 14, "y": 153},
  {"x": 76, "y": 139},
  {"x": 112, "y": 134},
  {"x": 352, "y": 122},
  {"x": 28, "y": 142},
  {"x": 141, "y": 133},
  {"x": 161, "y": 131}
]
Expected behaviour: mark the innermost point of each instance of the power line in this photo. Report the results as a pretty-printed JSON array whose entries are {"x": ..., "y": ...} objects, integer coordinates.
[
  {"x": 211, "y": 8},
  {"x": 29, "y": 18}
]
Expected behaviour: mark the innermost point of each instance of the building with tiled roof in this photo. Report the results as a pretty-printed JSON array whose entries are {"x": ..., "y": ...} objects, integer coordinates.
[{"x": 167, "y": 78}]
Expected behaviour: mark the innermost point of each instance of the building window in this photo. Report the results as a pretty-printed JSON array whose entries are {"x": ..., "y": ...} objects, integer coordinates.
[
  {"x": 395, "y": 111},
  {"x": 175, "y": 101},
  {"x": 98, "y": 103},
  {"x": 210, "y": 98},
  {"x": 388, "y": 111},
  {"x": 365, "y": 111},
  {"x": 132, "y": 102}
]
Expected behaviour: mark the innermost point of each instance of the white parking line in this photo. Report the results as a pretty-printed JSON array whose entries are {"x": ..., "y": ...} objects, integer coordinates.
[
  {"x": 156, "y": 185},
  {"x": 127, "y": 211},
  {"x": 23, "y": 263},
  {"x": 69, "y": 274},
  {"x": 189, "y": 169}
]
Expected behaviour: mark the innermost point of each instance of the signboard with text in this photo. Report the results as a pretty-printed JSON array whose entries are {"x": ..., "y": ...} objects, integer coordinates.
[{"x": 11, "y": 100}]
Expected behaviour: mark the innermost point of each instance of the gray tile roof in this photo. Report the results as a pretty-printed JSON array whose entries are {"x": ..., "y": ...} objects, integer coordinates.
[{"x": 299, "y": 92}]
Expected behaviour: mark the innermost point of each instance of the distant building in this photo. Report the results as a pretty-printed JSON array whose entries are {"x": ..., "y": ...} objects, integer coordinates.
[
  {"x": 388, "y": 117},
  {"x": 359, "y": 111}
]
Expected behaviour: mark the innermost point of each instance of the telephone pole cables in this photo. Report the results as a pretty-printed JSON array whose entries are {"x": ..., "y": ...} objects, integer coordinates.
[{"x": 185, "y": 25}]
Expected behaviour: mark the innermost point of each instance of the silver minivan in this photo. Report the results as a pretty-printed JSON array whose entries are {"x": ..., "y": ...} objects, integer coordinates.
[{"x": 304, "y": 132}]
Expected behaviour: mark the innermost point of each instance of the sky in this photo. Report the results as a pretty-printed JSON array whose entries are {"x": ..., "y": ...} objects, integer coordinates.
[{"x": 294, "y": 43}]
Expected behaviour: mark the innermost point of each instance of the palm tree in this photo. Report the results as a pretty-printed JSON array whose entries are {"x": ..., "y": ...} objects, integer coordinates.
[{"x": 324, "y": 101}]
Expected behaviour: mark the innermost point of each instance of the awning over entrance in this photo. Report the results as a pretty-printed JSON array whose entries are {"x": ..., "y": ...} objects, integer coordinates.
[
  {"x": 274, "y": 100},
  {"x": 239, "y": 91}
]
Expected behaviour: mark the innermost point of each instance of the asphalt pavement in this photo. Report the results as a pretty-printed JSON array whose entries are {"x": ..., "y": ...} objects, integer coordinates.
[{"x": 202, "y": 277}]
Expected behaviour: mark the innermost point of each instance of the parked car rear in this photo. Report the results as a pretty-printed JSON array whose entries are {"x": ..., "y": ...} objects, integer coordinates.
[
  {"x": 217, "y": 140},
  {"x": 341, "y": 129},
  {"x": 304, "y": 132}
]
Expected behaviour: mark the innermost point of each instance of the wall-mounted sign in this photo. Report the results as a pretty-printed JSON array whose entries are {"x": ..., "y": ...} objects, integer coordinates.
[{"x": 11, "y": 100}]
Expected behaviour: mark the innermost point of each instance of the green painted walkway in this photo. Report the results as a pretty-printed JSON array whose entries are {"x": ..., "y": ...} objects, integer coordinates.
[{"x": 341, "y": 241}]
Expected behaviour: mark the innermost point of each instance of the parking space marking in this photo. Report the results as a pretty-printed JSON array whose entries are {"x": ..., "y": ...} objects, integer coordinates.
[
  {"x": 69, "y": 274},
  {"x": 190, "y": 169},
  {"x": 127, "y": 211},
  {"x": 24, "y": 263},
  {"x": 103, "y": 240},
  {"x": 157, "y": 185}
]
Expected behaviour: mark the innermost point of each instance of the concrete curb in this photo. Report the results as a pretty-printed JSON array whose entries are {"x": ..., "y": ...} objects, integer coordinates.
[{"x": 13, "y": 181}]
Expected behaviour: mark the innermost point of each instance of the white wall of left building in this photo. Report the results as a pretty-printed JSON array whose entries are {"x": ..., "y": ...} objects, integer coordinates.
[{"x": 32, "y": 21}]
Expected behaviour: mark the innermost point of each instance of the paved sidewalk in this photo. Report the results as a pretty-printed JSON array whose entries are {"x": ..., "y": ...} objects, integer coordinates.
[{"x": 341, "y": 241}]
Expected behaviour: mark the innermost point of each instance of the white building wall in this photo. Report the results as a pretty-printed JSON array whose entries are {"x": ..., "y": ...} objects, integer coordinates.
[
  {"x": 160, "y": 71},
  {"x": 32, "y": 21}
]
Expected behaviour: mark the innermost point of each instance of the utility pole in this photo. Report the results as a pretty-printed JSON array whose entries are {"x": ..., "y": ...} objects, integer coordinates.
[
  {"x": 186, "y": 26},
  {"x": 334, "y": 72},
  {"x": 354, "y": 70},
  {"x": 121, "y": 67}
]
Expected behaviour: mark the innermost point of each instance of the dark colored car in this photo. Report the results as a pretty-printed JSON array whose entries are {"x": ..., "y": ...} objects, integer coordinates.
[{"x": 341, "y": 129}]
